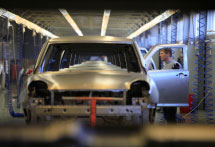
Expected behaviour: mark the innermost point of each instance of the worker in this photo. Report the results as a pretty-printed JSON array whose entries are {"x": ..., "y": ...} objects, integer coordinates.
[{"x": 169, "y": 63}]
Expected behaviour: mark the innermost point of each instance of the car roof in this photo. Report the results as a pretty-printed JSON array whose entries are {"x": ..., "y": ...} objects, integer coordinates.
[{"x": 91, "y": 39}]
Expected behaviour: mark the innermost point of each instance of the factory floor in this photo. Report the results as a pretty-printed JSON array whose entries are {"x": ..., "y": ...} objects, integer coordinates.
[{"x": 6, "y": 118}]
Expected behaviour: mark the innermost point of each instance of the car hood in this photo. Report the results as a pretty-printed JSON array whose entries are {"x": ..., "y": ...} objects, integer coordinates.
[{"x": 89, "y": 78}]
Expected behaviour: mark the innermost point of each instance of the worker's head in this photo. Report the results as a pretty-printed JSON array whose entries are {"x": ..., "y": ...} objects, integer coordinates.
[{"x": 165, "y": 54}]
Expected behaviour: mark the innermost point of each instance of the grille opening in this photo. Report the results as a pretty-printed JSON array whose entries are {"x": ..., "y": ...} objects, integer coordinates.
[{"x": 83, "y": 97}]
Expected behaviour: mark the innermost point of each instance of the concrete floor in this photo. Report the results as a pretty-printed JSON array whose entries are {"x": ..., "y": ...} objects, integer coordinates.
[{"x": 6, "y": 118}]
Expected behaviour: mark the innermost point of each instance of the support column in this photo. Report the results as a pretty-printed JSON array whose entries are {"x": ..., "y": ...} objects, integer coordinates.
[
  {"x": 199, "y": 81},
  {"x": 44, "y": 39},
  {"x": 29, "y": 54},
  {"x": 38, "y": 44},
  {"x": 163, "y": 33},
  {"x": 2, "y": 67},
  {"x": 5, "y": 51},
  {"x": 201, "y": 55},
  {"x": 205, "y": 61},
  {"x": 20, "y": 37},
  {"x": 174, "y": 20}
]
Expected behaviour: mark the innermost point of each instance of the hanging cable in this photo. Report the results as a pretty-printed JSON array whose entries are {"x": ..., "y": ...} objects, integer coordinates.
[
  {"x": 8, "y": 83},
  {"x": 197, "y": 106}
]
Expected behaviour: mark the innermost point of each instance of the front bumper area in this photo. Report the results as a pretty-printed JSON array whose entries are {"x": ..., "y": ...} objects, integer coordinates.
[{"x": 67, "y": 110}]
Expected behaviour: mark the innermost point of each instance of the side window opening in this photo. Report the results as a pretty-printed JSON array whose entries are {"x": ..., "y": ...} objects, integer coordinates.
[
  {"x": 65, "y": 60},
  {"x": 163, "y": 63}
]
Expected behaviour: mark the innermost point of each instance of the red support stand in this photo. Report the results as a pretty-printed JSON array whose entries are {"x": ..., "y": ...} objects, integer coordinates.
[{"x": 93, "y": 113}]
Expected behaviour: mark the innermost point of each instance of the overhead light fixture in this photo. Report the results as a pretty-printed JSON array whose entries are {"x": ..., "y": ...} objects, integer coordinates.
[
  {"x": 26, "y": 23},
  {"x": 105, "y": 22},
  {"x": 71, "y": 21},
  {"x": 152, "y": 23}
]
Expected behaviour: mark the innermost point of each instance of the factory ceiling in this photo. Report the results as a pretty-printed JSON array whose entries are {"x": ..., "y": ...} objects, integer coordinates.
[{"x": 121, "y": 23}]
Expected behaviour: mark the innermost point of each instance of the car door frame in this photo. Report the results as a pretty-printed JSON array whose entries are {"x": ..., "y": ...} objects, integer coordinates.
[
  {"x": 152, "y": 61},
  {"x": 182, "y": 72}
]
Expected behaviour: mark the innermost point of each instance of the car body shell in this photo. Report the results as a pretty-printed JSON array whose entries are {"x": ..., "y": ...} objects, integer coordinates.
[
  {"x": 92, "y": 79},
  {"x": 90, "y": 76}
]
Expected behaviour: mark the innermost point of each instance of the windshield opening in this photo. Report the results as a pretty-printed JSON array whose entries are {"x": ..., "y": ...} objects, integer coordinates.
[{"x": 61, "y": 56}]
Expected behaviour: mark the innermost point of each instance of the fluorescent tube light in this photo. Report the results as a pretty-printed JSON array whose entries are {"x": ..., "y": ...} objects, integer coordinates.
[
  {"x": 152, "y": 23},
  {"x": 71, "y": 21},
  {"x": 105, "y": 22},
  {"x": 26, "y": 23}
]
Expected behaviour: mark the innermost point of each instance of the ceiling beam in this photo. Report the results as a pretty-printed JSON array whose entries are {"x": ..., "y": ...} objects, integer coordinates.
[
  {"x": 26, "y": 23},
  {"x": 105, "y": 22},
  {"x": 71, "y": 21},
  {"x": 152, "y": 23}
]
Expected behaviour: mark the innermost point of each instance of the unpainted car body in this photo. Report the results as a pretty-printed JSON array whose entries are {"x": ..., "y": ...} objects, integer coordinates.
[{"x": 76, "y": 86}]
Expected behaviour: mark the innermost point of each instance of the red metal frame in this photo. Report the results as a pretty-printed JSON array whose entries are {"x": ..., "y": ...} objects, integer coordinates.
[{"x": 93, "y": 106}]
